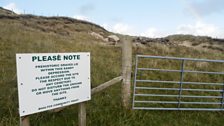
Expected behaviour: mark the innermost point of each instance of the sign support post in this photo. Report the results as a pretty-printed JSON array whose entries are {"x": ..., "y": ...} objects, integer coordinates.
[
  {"x": 24, "y": 121},
  {"x": 82, "y": 114}
]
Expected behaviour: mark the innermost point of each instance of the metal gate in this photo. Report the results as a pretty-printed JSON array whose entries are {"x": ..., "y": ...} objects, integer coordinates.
[{"x": 171, "y": 83}]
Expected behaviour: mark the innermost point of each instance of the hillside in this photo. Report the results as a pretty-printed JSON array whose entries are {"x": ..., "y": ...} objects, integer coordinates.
[
  {"x": 37, "y": 34},
  {"x": 65, "y": 26},
  {"x": 6, "y": 12},
  {"x": 195, "y": 42}
]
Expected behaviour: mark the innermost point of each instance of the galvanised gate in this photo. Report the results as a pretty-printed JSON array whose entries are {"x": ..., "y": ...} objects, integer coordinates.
[{"x": 171, "y": 83}]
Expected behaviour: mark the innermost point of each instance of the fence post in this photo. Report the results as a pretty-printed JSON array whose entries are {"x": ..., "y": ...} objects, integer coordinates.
[
  {"x": 126, "y": 71},
  {"x": 82, "y": 114},
  {"x": 24, "y": 121}
]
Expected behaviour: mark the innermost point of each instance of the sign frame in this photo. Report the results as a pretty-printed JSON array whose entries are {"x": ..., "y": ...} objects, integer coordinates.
[{"x": 52, "y": 80}]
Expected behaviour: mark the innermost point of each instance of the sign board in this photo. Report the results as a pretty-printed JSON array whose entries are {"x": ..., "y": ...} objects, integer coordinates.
[{"x": 52, "y": 80}]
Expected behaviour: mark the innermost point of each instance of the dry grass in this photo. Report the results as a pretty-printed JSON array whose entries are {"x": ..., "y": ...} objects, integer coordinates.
[{"x": 105, "y": 109}]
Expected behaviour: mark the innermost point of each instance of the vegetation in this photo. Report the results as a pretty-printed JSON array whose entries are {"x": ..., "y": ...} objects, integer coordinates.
[
  {"x": 30, "y": 34},
  {"x": 198, "y": 42}
]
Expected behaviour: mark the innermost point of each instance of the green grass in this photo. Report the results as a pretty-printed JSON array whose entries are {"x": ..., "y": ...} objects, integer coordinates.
[{"x": 105, "y": 108}]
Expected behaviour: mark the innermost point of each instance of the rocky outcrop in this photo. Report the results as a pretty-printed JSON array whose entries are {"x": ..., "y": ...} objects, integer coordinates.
[
  {"x": 113, "y": 38},
  {"x": 218, "y": 40},
  {"x": 97, "y": 35},
  {"x": 145, "y": 40}
]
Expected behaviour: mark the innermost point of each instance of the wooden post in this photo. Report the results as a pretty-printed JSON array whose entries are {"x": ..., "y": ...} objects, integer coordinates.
[
  {"x": 24, "y": 121},
  {"x": 82, "y": 114},
  {"x": 126, "y": 71},
  {"x": 106, "y": 85}
]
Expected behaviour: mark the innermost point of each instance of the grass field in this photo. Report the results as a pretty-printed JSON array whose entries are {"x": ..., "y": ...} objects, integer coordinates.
[{"x": 105, "y": 108}]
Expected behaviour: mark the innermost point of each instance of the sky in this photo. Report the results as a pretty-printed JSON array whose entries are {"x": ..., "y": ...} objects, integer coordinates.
[{"x": 150, "y": 18}]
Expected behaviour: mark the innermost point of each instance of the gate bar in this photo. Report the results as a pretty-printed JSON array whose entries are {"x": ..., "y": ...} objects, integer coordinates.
[
  {"x": 177, "y": 82},
  {"x": 184, "y": 96},
  {"x": 175, "y": 58},
  {"x": 135, "y": 77}
]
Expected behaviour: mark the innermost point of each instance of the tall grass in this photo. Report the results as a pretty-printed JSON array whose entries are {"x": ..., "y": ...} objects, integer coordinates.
[{"x": 105, "y": 108}]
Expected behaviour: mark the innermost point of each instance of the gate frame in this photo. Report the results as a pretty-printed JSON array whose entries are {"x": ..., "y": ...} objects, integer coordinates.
[{"x": 180, "y": 89}]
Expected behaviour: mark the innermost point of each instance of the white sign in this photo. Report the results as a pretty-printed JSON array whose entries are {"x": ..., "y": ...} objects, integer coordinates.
[{"x": 52, "y": 80}]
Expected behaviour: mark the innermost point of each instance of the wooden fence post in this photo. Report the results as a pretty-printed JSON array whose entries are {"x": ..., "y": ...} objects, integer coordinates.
[
  {"x": 24, "y": 121},
  {"x": 126, "y": 71},
  {"x": 82, "y": 114}
]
